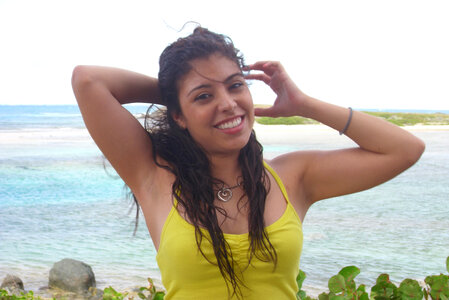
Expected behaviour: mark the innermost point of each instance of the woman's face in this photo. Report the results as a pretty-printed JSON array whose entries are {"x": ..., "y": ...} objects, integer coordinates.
[{"x": 216, "y": 105}]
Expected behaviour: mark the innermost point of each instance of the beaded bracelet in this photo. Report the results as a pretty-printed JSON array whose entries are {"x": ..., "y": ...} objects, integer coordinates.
[{"x": 348, "y": 122}]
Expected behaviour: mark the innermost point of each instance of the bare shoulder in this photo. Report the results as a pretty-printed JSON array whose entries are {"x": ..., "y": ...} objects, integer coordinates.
[
  {"x": 291, "y": 168},
  {"x": 293, "y": 165}
]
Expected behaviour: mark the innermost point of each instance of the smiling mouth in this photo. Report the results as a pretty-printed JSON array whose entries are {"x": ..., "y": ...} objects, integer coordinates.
[{"x": 231, "y": 124}]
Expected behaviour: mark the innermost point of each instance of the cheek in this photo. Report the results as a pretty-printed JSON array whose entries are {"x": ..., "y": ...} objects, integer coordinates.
[
  {"x": 249, "y": 97},
  {"x": 199, "y": 116},
  {"x": 249, "y": 105}
]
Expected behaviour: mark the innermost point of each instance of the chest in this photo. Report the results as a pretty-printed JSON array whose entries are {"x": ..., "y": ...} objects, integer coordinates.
[
  {"x": 233, "y": 216},
  {"x": 157, "y": 201},
  {"x": 178, "y": 255}
]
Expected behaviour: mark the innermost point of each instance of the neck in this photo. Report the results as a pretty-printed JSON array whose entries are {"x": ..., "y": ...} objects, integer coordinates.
[{"x": 226, "y": 168}]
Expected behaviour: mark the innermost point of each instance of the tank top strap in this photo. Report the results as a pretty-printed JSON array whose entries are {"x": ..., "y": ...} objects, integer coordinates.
[
  {"x": 278, "y": 180},
  {"x": 175, "y": 201}
]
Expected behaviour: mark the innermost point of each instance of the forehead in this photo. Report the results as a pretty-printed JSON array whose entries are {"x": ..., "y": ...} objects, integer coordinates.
[{"x": 215, "y": 68}]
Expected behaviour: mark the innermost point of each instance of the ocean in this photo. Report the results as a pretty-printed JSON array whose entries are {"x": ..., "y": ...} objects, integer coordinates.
[{"x": 59, "y": 200}]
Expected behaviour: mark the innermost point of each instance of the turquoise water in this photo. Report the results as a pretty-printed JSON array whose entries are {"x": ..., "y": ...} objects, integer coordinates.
[{"x": 57, "y": 201}]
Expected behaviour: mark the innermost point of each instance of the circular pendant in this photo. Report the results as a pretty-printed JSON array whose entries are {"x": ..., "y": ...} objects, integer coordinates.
[{"x": 224, "y": 194}]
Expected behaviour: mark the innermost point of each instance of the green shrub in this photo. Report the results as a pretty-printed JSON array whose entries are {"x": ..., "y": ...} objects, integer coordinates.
[
  {"x": 400, "y": 119},
  {"x": 410, "y": 119},
  {"x": 341, "y": 287},
  {"x": 4, "y": 295},
  {"x": 285, "y": 121}
]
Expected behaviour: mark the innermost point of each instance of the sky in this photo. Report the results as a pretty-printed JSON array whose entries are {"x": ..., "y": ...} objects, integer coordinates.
[{"x": 384, "y": 54}]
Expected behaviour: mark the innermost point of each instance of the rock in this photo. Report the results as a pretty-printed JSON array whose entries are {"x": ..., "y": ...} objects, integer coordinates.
[
  {"x": 13, "y": 284},
  {"x": 71, "y": 275}
]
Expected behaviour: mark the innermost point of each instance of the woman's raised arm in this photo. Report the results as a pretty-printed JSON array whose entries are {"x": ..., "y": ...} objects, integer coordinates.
[
  {"x": 100, "y": 92},
  {"x": 384, "y": 151}
]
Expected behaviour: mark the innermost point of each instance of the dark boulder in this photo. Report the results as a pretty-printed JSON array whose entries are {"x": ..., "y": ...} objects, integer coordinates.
[
  {"x": 71, "y": 275},
  {"x": 13, "y": 284}
]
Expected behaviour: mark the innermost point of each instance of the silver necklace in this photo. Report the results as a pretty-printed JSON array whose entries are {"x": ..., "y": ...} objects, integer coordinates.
[{"x": 225, "y": 193}]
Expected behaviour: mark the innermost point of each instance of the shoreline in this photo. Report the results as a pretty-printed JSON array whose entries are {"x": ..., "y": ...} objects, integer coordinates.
[{"x": 35, "y": 136}]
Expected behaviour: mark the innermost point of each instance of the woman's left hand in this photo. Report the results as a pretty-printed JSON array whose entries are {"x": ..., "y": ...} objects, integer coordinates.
[{"x": 289, "y": 98}]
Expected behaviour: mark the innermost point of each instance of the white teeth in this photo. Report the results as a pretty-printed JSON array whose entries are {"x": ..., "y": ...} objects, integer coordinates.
[{"x": 231, "y": 124}]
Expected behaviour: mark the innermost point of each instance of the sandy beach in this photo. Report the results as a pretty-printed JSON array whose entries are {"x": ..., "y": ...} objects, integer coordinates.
[
  {"x": 266, "y": 134},
  {"x": 272, "y": 132}
]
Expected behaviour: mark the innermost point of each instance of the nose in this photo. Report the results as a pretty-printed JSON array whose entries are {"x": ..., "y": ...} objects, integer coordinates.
[{"x": 227, "y": 101}]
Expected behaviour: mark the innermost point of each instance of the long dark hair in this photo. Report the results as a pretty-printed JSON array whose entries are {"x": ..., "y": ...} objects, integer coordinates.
[{"x": 193, "y": 186}]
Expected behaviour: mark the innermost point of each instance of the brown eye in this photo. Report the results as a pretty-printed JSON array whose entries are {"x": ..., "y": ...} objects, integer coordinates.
[
  {"x": 203, "y": 96},
  {"x": 236, "y": 85}
]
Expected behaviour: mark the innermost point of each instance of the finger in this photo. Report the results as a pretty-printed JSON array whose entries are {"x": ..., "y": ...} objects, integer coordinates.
[
  {"x": 268, "y": 67},
  {"x": 258, "y": 66},
  {"x": 265, "y": 112},
  {"x": 262, "y": 77}
]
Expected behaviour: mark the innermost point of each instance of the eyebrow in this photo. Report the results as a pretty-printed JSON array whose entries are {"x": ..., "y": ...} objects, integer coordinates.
[{"x": 229, "y": 78}]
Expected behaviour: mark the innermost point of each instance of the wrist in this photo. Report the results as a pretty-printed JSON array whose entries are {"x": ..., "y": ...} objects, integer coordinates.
[{"x": 307, "y": 108}]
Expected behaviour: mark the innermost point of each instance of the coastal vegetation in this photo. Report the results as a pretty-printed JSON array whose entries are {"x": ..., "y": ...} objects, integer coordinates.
[
  {"x": 342, "y": 286},
  {"x": 398, "y": 118}
]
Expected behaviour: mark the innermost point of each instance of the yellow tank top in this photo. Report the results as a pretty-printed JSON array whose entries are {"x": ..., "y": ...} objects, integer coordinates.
[{"x": 186, "y": 274}]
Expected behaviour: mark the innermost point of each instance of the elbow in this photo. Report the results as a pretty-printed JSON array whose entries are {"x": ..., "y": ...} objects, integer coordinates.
[
  {"x": 80, "y": 78},
  {"x": 415, "y": 150}
]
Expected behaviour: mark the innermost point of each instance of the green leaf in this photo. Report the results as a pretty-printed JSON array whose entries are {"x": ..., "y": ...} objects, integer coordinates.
[
  {"x": 383, "y": 278},
  {"x": 364, "y": 296},
  {"x": 430, "y": 279},
  {"x": 410, "y": 289},
  {"x": 439, "y": 285},
  {"x": 337, "y": 284},
  {"x": 361, "y": 288},
  {"x": 109, "y": 292},
  {"x": 159, "y": 296},
  {"x": 323, "y": 296},
  {"x": 350, "y": 286},
  {"x": 141, "y": 295},
  {"x": 301, "y": 294},
  {"x": 337, "y": 297},
  {"x": 384, "y": 289},
  {"x": 349, "y": 273},
  {"x": 434, "y": 294},
  {"x": 300, "y": 278}
]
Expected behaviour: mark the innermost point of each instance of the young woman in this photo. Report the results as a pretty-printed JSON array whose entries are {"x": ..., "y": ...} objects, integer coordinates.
[{"x": 226, "y": 223}]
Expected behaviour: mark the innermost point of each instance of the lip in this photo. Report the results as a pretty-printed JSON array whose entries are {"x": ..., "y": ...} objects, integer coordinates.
[{"x": 233, "y": 130}]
